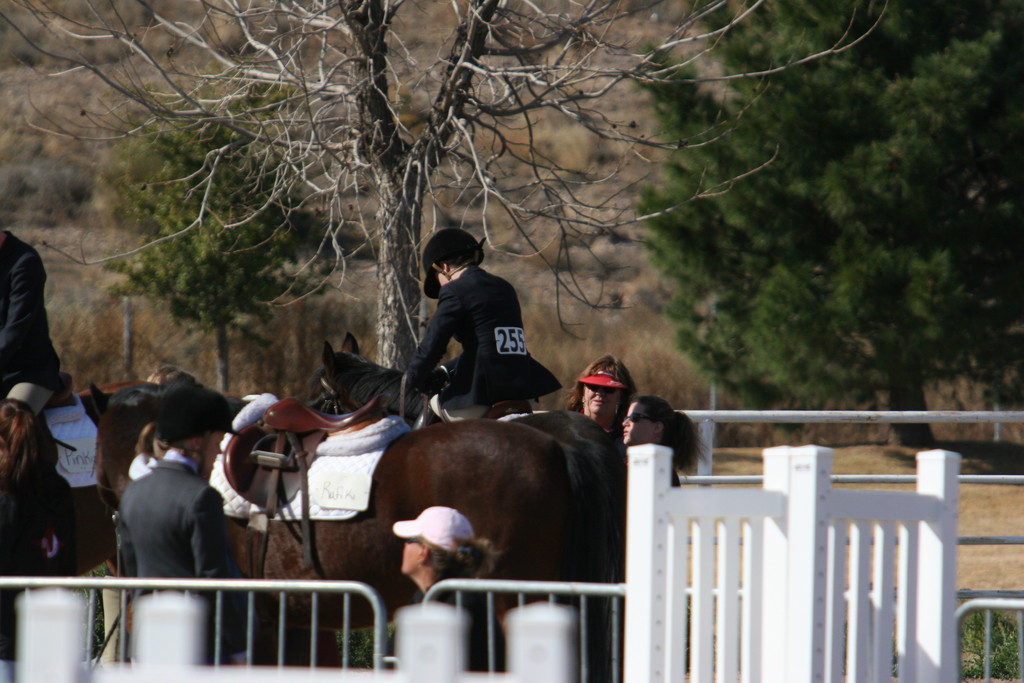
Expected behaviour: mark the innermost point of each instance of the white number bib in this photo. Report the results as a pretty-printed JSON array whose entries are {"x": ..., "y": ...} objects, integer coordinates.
[{"x": 510, "y": 341}]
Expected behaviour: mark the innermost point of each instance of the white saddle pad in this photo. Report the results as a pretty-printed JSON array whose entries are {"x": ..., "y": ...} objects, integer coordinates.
[
  {"x": 73, "y": 426},
  {"x": 339, "y": 475}
]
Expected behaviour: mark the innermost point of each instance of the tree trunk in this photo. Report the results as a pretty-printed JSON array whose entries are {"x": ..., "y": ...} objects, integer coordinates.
[
  {"x": 222, "y": 358},
  {"x": 127, "y": 341},
  {"x": 398, "y": 281},
  {"x": 911, "y": 435}
]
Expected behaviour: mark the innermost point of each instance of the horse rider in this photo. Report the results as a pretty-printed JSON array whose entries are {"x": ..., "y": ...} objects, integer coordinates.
[
  {"x": 481, "y": 311},
  {"x": 29, "y": 366}
]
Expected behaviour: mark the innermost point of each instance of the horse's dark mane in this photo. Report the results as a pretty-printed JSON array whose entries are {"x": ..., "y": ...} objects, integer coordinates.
[
  {"x": 133, "y": 396},
  {"x": 137, "y": 394},
  {"x": 365, "y": 380}
]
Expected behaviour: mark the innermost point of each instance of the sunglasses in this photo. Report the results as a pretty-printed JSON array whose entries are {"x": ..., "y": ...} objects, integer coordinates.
[
  {"x": 636, "y": 417},
  {"x": 598, "y": 389},
  {"x": 414, "y": 540}
]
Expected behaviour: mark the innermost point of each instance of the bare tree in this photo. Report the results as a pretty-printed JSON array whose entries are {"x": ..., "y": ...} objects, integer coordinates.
[{"x": 385, "y": 123}]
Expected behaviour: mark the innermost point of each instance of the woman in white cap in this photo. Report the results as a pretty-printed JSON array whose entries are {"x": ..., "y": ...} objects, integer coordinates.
[
  {"x": 602, "y": 393},
  {"x": 439, "y": 544}
]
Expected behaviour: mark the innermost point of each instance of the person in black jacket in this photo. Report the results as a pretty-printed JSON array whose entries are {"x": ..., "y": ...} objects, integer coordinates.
[
  {"x": 439, "y": 544},
  {"x": 481, "y": 311},
  {"x": 37, "y": 514},
  {"x": 29, "y": 366},
  {"x": 171, "y": 521}
]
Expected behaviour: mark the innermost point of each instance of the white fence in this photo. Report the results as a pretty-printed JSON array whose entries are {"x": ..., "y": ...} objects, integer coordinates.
[
  {"x": 805, "y": 583},
  {"x": 168, "y": 646}
]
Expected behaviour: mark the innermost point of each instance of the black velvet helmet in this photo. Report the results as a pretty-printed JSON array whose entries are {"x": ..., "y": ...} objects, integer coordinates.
[
  {"x": 192, "y": 411},
  {"x": 444, "y": 245}
]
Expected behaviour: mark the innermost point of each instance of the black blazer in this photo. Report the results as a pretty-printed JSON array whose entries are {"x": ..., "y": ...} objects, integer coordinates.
[
  {"x": 26, "y": 353},
  {"x": 171, "y": 524},
  {"x": 481, "y": 311},
  {"x": 37, "y": 538}
]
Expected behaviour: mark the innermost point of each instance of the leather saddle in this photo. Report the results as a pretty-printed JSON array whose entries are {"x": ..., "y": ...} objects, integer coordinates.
[
  {"x": 495, "y": 412},
  {"x": 504, "y": 408},
  {"x": 63, "y": 397},
  {"x": 271, "y": 464},
  {"x": 291, "y": 431}
]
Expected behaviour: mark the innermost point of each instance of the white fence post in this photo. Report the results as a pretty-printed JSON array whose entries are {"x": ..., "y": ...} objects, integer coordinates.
[
  {"x": 540, "y": 647},
  {"x": 50, "y": 646},
  {"x": 795, "y": 551},
  {"x": 431, "y": 642},
  {"x": 937, "y": 651},
  {"x": 646, "y": 646},
  {"x": 170, "y": 630}
]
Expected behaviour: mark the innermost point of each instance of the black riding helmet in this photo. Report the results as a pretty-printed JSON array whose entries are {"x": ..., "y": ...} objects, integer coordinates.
[
  {"x": 444, "y": 245},
  {"x": 191, "y": 411}
]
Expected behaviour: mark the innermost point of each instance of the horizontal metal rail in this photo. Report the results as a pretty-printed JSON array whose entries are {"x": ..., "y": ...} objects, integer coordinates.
[
  {"x": 706, "y": 420},
  {"x": 738, "y": 479},
  {"x": 857, "y": 416}
]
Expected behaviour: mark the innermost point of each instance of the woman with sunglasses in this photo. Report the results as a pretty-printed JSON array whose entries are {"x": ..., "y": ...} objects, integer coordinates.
[
  {"x": 602, "y": 393},
  {"x": 440, "y": 544},
  {"x": 481, "y": 311},
  {"x": 652, "y": 420}
]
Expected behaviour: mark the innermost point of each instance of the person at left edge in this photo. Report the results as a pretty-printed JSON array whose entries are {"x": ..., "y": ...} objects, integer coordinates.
[
  {"x": 29, "y": 366},
  {"x": 171, "y": 521},
  {"x": 482, "y": 312},
  {"x": 37, "y": 515}
]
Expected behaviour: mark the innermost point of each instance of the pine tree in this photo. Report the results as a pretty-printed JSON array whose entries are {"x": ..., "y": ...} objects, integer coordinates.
[
  {"x": 878, "y": 250},
  {"x": 215, "y": 272}
]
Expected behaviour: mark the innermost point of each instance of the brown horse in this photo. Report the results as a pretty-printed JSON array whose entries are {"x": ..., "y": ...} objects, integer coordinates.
[
  {"x": 551, "y": 507},
  {"x": 94, "y": 526}
]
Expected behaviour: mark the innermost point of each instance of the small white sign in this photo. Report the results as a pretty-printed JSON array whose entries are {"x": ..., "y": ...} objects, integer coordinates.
[
  {"x": 82, "y": 460},
  {"x": 338, "y": 491},
  {"x": 78, "y": 466}
]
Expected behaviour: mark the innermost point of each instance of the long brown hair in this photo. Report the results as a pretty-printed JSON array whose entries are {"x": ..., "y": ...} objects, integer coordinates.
[
  {"x": 475, "y": 557},
  {"x": 607, "y": 363},
  {"x": 21, "y": 439},
  {"x": 679, "y": 434}
]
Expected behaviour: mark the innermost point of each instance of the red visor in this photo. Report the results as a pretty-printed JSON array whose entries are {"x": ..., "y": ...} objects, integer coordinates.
[{"x": 603, "y": 378}]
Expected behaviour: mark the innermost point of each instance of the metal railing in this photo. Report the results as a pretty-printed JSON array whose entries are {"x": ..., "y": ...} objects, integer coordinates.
[
  {"x": 343, "y": 590},
  {"x": 987, "y": 606},
  {"x": 615, "y": 593},
  {"x": 707, "y": 419}
]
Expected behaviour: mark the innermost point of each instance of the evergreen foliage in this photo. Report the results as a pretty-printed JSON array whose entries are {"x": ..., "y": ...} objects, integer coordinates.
[
  {"x": 879, "y": 249},
  {"x": 210, "y": 270}
]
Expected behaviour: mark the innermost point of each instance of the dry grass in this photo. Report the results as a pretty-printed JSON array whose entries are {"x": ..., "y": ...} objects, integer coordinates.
[{"x": 984, "y": 510}]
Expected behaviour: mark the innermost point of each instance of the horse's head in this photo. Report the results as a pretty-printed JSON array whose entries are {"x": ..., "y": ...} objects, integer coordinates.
[
  {"x": 25, "y": 445},
  {"x": 349, "y": 374},
  {"x": 327, "y": 392},
  {"x": 127, "y": 412}
]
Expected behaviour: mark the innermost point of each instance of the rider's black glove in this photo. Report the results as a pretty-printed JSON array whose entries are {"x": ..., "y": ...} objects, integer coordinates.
[{"x": 437, "y": 381}]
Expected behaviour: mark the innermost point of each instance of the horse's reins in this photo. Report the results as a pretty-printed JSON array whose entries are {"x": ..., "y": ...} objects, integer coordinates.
[
  {"x": 424, "y": 412},
  {"x": 332, "y": 401}
]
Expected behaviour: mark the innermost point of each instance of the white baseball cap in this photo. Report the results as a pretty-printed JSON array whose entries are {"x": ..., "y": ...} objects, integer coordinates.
[{"x": 438, "y": 525}]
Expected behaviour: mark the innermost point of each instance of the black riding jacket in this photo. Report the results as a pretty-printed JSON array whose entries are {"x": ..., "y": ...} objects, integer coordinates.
[{"x": 481, "y": 311}]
